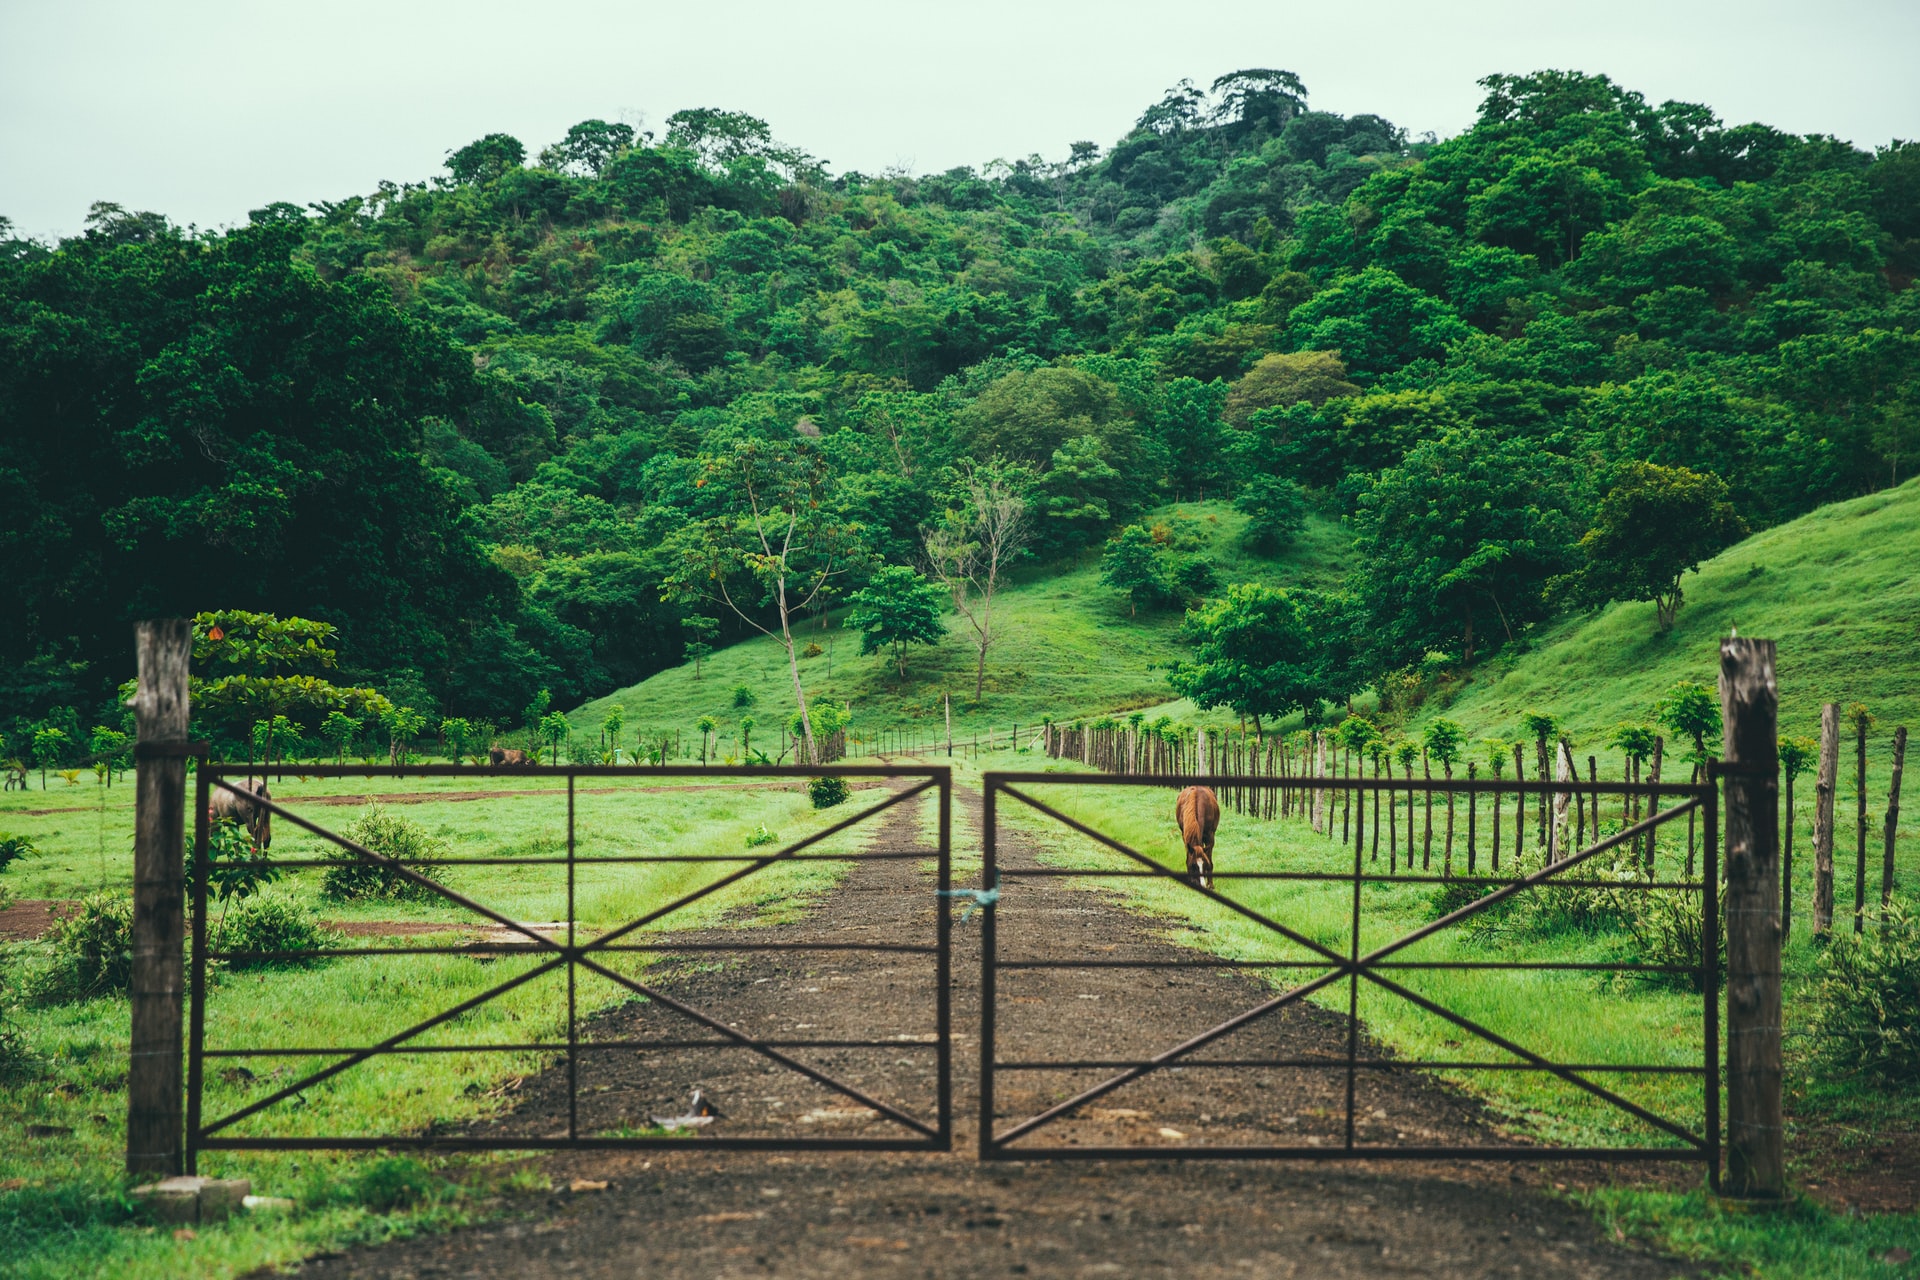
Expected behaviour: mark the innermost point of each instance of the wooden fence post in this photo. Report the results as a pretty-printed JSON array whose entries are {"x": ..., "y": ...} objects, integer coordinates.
[
  {"x": 1824, "y": 786},
  {"x": 1749, "y": 705},
  {"x": 1893, "y": 816},
  {"x": 154, "y": 1097}
]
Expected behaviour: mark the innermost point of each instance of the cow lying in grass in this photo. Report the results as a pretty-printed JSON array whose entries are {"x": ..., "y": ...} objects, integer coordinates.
[
  {"x": 1197, "y": 810},
  {"x": 509, "y": 758},
  {"x": 240, "y": 805}
]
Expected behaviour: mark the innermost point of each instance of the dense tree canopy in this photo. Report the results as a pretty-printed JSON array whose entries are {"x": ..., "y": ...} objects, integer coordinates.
[{"x": 472, "y": 421}]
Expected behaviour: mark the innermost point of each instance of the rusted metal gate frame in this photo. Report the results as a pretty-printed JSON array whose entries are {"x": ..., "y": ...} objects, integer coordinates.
[
  {"x": 1703, "y": 1147},
  {"x": 935, "y": 1137}
]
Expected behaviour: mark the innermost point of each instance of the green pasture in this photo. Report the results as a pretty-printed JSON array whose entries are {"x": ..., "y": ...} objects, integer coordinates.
[
  {"x": 1068, "y": 648},
  {"x": 60, "y": 1207}
]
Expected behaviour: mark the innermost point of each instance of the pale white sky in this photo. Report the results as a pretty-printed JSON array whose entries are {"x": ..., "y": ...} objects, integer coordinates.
[{"x": 203, "y": 109}]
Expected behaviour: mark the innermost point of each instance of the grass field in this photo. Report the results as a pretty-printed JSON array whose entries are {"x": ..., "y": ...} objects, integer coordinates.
[
  {"x": 62, "y": 1212},
  {"x": 1068, "y": 648}
]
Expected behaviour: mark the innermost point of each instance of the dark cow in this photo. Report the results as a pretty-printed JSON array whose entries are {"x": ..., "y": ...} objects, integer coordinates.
[
  {"x": 240, "y": 805},
  {"x": 1197, "y": 810},
  {"x": 509, "y": 758}
]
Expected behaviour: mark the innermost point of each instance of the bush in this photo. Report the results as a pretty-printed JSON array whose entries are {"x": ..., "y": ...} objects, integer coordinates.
[
  {"x": 390, "y": 836},
  {"x": 1867, "y": 1003},
  {"x": 760, "y": 835},
  {"x": 15, "y": 1057},
  {"x": 394, "y": 1183},
  {"x": 827, "y": 792},
  {"x": 92, "y": 950},
  {"x": 13, "y": 848},
  {"x": 1668, "y": 926},
  {"x": 272, "y": 922}
]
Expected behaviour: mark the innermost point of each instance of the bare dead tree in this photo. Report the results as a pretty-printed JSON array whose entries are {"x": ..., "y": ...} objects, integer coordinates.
[{"x": 970, "y": 550}]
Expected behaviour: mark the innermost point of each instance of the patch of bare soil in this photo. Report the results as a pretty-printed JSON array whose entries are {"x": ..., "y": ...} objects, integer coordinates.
[
  {"x": 1851, "y": 1170},
  {"x": 806, "y": 1214},
  {"x": 30, "y": 918}
]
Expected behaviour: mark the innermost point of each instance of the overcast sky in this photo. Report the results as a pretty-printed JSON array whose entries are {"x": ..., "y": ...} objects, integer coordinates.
[{"x": 203, "y": 110}]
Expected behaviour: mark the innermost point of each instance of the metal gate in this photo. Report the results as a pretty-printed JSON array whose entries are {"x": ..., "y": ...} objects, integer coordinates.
[
  {"x": 1331, "y": 966},
  {"x": 576, "y": 955}
]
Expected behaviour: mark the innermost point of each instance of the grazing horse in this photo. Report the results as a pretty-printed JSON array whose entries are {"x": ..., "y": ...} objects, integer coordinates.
[
  {"x": 241, "y": 807},
  {"x": 509, "y": 758},
  {"x": 1197, "y": 810}
]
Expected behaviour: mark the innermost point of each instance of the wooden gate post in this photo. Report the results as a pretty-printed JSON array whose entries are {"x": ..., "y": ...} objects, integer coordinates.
[
  {"x": 154, "y": 1088},
  {"x": 1749, "y": 705}
]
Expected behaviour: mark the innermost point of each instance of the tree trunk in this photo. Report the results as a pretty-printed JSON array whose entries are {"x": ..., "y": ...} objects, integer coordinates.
[
  {"x": 1823, "y": 818},
  {"x": 1860, "y": 828}
]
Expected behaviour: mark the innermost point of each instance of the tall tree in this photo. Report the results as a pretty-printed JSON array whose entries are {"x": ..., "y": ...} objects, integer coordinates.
[
  {"x": 1655, "y": 525},
  {"x": 775, "y": 544},
  {"x": 985, "y": 529},
  {"x": 896, "y": 608}
]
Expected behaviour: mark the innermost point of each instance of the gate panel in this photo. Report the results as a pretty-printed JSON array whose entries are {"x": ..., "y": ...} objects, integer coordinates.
[
  {"x": 1086, "y": 1085},
  {"x": 665, "y": 1021}
]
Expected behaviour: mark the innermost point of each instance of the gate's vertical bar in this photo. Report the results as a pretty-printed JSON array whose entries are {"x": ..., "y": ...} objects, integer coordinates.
[
  {"x": 1749, "y": 704},
  {"x": 989, "y": 938},
  {"x": 573, "y": 1029},
  {"x": 943, "y": 963},
  {"x": 163, "y": 653},
  {"x": 1353, "y": 977},
  {"x": 197, "y": 978}
]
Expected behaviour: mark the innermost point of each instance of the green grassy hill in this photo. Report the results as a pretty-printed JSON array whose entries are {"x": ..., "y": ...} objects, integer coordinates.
[
  {"x": 1838, "y": 590},
  {"x": 1069, "y": 648}
]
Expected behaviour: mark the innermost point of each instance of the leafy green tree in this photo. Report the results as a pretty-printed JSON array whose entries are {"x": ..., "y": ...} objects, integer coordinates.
[
  {"x": 744, "y": 696},
  {"x": 984, "y": 531},
  {"x": 555, "y": 728},
  {"x": 1275, "y": 509},
  {"x": 1459, "y": 542},
  {"x": 706, "y": 725},
  {"x": 403, "y": 725},
  {"x": 486, "y": 159},
  {"x": 1288, "y": 378},
  {"x": 1655, "y": 525},
  {"x": 702, "y": 629},
  {"x": 50, "y": 746},
  {"x": 110, "y": 747},
  {"x": 611, "y": 725},
  {"x": 1134, "y": 563},
  {"x": 589, "y": 146},
  {"x": 1691, "y": 710},
  {"x": 339, "y": 730},
  {"x": 1377, "y": 322},
  {"x": 776, "y": 544},
  {"x": 459, "y": 736},
  {"x": 897, "y": 608},
  {"x": 1443, "y": 740},
  {"x": 1264, "y": 652},
  {"x": 1188, "y": 424}
]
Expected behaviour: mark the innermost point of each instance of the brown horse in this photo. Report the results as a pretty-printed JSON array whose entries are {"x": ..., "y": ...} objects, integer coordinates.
[
  {"x": 509, "y": 758},
  {"x": 241, "y": 807},
  {"x": 1197, "y": 811}
]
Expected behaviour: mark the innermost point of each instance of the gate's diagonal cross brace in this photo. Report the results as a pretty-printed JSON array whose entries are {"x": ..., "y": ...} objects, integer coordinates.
[
  {"x": 760, "y": 865},
  {"x": 748, "y": 1042},
  {"x": 564, "y": 954},
  {"x": 1345, "y": 967},
  {"x": 392, "y": 864},
  {"x": 356, "y": 1058}
]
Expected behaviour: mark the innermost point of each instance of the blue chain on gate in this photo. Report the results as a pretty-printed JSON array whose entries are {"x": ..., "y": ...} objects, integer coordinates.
[{"x": 980, "y": 897}]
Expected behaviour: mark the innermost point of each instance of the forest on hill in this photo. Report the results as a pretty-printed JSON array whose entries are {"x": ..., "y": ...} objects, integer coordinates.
[{"x": 510, "y": 428}]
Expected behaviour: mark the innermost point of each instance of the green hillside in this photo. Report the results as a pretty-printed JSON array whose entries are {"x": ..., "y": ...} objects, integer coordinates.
[
  {"x": 1069, "y": 648},
  {"x": 1838, "y": 590}
]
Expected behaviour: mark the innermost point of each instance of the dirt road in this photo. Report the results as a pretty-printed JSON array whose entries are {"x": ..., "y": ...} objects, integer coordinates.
[{"x": 706, "y": 1214}]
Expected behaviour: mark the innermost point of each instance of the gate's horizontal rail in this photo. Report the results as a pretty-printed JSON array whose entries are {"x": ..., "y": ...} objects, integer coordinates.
[
  {"x": 527, "y": 948},
  {"x": 1358, "y": 1151},
  {"x": 582, "y": 1046},
  {"x": 1372, "y": 1064},
  {"x": 424, "y": 1142},
  {"x": 1670, "y": 790},
  {"x": 233, "y": 769},
  {"x": 1593, "y": 966},
  {"x": 1033, "y": 873},
  {"x": 907, "y": 855}
]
